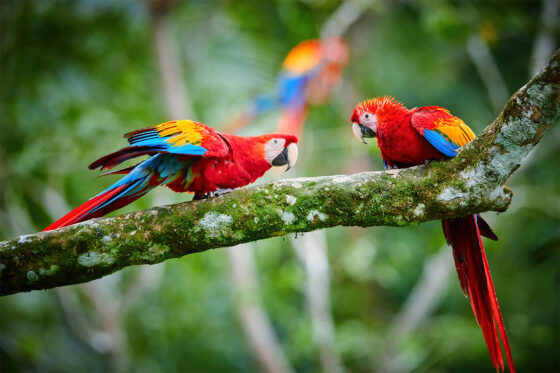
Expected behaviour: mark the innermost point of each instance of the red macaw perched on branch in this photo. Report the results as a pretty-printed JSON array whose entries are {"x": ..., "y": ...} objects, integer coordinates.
[
  {"x": 411, "y": 137},
  {"x": 185, "y": 156},
  {"x": 309, "y": 73}
]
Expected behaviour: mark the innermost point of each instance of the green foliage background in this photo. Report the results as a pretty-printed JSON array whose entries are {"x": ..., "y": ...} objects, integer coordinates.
[{"x": 75, "y": 75}]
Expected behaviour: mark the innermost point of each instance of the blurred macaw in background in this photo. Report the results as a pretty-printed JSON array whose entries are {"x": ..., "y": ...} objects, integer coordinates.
[
  {"x": 185, "y": 156},
  {"x": 411, "y": 137},
  {"x": 309, "y": 74}
]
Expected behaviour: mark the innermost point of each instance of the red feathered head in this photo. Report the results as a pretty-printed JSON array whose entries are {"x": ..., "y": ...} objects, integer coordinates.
[{"x": 368, "y": 114}]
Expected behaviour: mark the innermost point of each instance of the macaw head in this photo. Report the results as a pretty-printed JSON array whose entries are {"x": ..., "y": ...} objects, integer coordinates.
[
  {"x": 280, "y": 150},
  {"x": 368, "y": 114},
  {"x": 335, "y": 51}
]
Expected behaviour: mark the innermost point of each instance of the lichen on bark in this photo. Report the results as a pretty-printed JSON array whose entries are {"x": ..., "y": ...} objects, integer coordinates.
[{"x": 472, "y": 182}]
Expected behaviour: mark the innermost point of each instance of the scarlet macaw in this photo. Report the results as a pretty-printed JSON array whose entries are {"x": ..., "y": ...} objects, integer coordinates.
[
  {"x": 309, "y": 73},
  {"x": 185, "y": 156},
  {"x": 411, "y": 137}
]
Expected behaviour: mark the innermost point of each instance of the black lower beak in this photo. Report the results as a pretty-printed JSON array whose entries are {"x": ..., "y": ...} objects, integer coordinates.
[
  {"x": 281, "y": 159},
  {"x": 366, "y": 131}
]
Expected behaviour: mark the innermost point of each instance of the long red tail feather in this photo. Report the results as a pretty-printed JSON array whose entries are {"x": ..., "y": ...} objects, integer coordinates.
[
  {"x": 83, "y": 212},
  {"x": 474, "y": 275}
]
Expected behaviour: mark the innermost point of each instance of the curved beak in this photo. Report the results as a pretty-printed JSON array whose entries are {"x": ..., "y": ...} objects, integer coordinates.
[
  {"x": 288, "y": 157},
  {"x": 360, "y": 132}
]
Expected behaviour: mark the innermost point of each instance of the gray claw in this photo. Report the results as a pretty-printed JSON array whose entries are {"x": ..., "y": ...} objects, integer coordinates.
[{"x": 220, "y": 192}]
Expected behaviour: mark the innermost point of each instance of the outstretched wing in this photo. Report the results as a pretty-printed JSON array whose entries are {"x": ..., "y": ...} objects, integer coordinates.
[
  {"x": 181, "y": 137},
  {"x": 444, "y": 131}
]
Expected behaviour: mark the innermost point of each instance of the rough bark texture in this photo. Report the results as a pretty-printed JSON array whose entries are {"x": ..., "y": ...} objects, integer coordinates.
[{"x": 470, "y": 183}]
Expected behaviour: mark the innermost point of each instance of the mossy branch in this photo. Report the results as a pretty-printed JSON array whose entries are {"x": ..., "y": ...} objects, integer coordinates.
[{"x": 470, "y": 183}]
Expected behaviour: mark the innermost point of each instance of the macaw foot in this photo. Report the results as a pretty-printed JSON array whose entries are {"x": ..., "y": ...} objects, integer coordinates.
[
  {"x": 219, "y": 192},
  {"x": 392, "y": 170},
  {"x": 198, "y": 197}
]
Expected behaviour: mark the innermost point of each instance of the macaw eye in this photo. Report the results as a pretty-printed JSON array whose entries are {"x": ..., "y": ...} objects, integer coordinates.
[
  {"x": 275, "y": 141},
  {"x": 367, "y": 116}
]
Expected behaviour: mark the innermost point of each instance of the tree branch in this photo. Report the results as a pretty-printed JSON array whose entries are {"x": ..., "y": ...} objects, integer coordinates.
[{"x": 470, "y": 183}]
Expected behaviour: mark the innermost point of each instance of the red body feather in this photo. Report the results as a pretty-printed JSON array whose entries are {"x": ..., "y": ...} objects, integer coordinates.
[
  {"x": 401, "y": 143},
  {"x": 243, "y": 164},
  {"x": 402, "y": 136}
]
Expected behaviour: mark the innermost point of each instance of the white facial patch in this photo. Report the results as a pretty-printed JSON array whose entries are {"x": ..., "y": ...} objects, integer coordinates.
[
  {"x": 369, "y": 120},
  {"x": 273, "y": 148}
]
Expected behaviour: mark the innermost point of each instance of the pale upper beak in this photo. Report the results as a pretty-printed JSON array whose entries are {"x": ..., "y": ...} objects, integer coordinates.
[
  {"x": 357, "y": 133},
  {"x": 360, "y": 132},
  {"x": 292, "y": 155},
  {"x": 288, "y": 157}
]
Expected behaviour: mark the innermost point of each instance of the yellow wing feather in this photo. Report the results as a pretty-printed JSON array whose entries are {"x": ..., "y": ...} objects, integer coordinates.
[
  {"x": 454, "y": 130},
  {"x": 185, "y": 131},
  {"x": 303, "y": 57}
]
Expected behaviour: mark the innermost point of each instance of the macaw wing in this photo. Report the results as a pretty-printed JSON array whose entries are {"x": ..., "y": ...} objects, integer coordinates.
[
  {"x": 182, "y": 137},
  {"x": 292, "y": 89},
  {"x": 445, "y": 132},
  {"x": 303, "y": 58},
  {"x": 302, "y": 63}
]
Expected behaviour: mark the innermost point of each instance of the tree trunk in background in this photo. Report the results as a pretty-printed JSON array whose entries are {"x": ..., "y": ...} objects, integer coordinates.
[
  {"x": 312, "y": 252},
  {"x": 254, "y": 320}
]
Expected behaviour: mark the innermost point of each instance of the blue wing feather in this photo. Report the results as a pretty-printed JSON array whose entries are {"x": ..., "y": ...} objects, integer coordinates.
[
  {"x": 292, "y": 88},
  {"x": 153, "y": 140},
  {"x": 164, "y": 165},
  {"x": 441, "y": 143}
]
